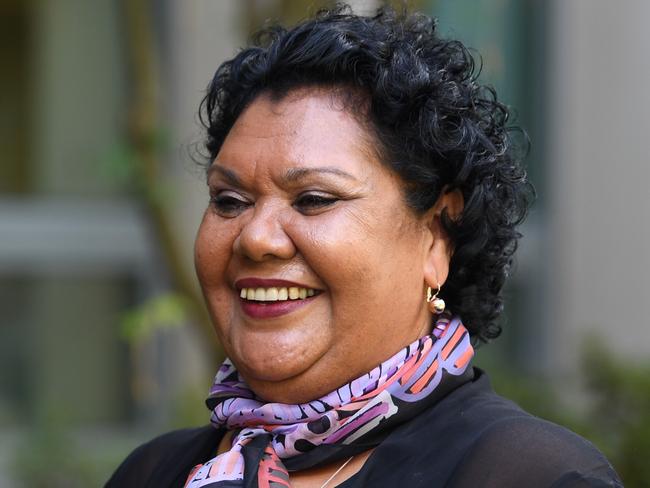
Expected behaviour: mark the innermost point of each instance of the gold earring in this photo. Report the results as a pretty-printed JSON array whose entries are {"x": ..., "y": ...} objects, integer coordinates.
[{"x": 437, "y": 304}]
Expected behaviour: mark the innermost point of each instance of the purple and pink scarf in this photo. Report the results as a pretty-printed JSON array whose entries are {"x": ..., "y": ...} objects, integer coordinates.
[{"x": 272, "y": 439}]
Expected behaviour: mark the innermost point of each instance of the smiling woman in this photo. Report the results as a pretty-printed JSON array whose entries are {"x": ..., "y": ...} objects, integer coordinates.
[
  {"x": 364, "y": 198},
  {"x": 279, "y": 214}
]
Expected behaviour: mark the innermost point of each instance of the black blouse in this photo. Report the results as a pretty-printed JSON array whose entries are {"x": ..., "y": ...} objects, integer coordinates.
[{"x": 471, "y": 438}]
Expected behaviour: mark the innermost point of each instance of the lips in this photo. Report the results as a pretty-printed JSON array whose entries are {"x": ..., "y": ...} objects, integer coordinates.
[
  {"x": 266, "y": 283},
  {"x": 266, "y": 298}
]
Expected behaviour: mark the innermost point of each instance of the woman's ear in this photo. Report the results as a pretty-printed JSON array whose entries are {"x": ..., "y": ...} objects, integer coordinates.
[{"x": 436, "y": 266}]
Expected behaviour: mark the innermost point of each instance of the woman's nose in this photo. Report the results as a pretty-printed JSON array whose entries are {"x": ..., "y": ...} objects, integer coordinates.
[{"x": 263, "y": 236}]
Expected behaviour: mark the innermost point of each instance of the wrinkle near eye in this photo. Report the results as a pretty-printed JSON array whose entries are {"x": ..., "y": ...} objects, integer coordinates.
[{"x": 362, "y": 218}]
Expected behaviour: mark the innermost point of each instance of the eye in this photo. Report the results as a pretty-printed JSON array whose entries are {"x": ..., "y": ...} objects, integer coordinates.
[
  {"x": 312, "y": 202},
  {"x": 228, "y": 203}
]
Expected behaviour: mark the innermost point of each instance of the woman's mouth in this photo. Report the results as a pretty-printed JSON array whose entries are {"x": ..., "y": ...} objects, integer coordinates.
[
  {"x": 274, "y": 301},
  {"x": 274, "y": 294}
]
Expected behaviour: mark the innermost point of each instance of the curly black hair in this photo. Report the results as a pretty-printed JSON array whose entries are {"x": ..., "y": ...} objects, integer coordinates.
[{"x": 436, "y": 126}]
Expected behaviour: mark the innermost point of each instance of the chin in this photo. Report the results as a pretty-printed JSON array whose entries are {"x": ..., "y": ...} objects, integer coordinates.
[
  {"x": 293, "y": 391},
  {"x": 269, "y": 369},
  {"x": 274, "y": 372},
  {"x": 279, "y": 386}
]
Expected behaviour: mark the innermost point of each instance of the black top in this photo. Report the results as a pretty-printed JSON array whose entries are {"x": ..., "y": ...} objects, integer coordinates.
[{"x": 471, "y": 438}]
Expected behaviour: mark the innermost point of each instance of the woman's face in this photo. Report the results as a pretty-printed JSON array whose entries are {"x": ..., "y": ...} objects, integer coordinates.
[{"x": 312, "y": 266}]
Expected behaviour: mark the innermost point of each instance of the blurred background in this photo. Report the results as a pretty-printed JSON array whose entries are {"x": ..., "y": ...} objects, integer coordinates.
[{"x": 103, "y": 338}]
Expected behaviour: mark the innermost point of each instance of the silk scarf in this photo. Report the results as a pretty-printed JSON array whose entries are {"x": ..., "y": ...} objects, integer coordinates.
[{"x": 272, "y": 439}]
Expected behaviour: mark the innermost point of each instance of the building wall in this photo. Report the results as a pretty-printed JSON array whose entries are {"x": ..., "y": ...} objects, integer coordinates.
[{"x": 598, "y": 271}]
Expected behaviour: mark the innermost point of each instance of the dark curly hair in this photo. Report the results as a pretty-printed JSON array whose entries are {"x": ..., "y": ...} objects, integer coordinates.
[{"x": 436, "y": 126}]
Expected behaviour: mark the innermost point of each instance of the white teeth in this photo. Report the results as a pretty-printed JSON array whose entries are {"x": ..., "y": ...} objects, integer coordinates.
[
  {"x": 283, "y": 294},
  {"x": 271, "y": 294},
  {"x": 274, "y": 294}
]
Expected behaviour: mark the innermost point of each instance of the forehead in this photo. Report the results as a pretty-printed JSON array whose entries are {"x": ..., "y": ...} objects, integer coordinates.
[{"x": 306, "y": 126}]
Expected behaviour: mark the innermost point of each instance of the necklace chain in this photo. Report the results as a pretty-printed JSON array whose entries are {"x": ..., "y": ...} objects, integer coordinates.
[{"x": 336, "y": 472}]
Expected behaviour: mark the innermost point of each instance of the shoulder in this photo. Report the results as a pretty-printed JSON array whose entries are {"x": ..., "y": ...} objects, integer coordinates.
[
  {"x": 507, "y": 446},
  {"x": 528, "y": 451},
  {"x": 166, "y": 458},
  {"x": 474, "y": 437}
]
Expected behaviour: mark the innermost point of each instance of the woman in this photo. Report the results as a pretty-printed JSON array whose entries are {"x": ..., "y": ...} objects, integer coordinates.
[{"x": 364, "y": 197}]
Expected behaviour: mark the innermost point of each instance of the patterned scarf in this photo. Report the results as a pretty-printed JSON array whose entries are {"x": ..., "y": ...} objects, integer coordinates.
[{"x": 272, "y": 439}]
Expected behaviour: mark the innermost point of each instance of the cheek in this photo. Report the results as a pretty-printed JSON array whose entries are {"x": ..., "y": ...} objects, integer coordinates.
[
  {"x": 370, "y": 262},
  {"x": 203, "y": 256},
  {"x": 211, "y": 250},
  {"x": 360, "y": 260},
  {"x": 338, "y": 249},
  {"x": 359, "y": 242},
  {"x": 211, "y": 254}
]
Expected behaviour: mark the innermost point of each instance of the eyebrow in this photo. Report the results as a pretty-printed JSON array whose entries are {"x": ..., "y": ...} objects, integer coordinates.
[
  {"x": 291, "y": 176},
  {"x": 296, "y": 174},
  {"x": 228, "y": 174}
]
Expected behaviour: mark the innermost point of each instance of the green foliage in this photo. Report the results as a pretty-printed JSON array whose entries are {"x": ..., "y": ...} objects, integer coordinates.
[
  {"x": 189, "y": 409},
  {"x": 621, "y": 411},
  {"x": 122, "y": 161},
  {"x": 160, "y": 312},
  {"x": 49, "y": 457},
  {"x": 119, "y": 165}
]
